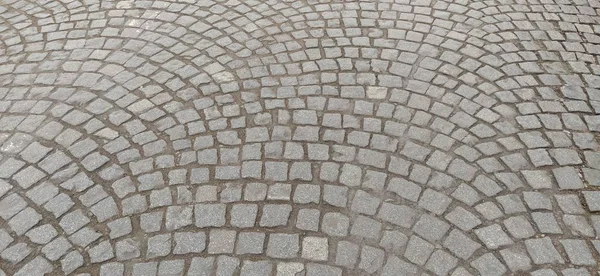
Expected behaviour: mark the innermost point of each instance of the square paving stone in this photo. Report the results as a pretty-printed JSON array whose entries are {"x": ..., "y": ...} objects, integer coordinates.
[
  {"x": 400, "y": 215},
  {"x": 460, "y": 244},
  {"x": 396, "y": 266},
  {"x": 516, "y": 259},
  {"x": 567, "y": 178},
  {"x": 393, "y": 240},
  {"x": 306, "y": 193},
  {"x": 221, "y": 241},
  {"x": 279, "y": 191},
  {"x": 207, "y": 215},
  {"x": 431, "y": 228},
  {"x": 189, "y": 242},
  {"x": 511, "y": 204},
  {"x": 493, "y": 236},
  {"x": 112, "y": 269},
  {"x": 404, "y": 188},
  {"x": 171, "y": 267},
  {"x": 140, "y": 269},
  {"x": 488, "y": 264},
  {"x": 441, "y": 262},
  {"x": 308, "y": 219},
  {"x": 371, "y": 259},
  {"x": 519, "y": 227},
  {"x": 250, "y": 243},
  {"x": 313, "y": 269},
  {"x": 201, "y": 266},
  {"x": 26, "y": 219},
  {"x": 570, "y": 204},
  {"x": 418, "y": 250},
  {"x": 346, "y": 254},
  {"x": 243, "y": 215},
  {"x": 227, "y": 265},
  {"x": 592, "y": 199},
  {"x": 537, "y": 201},
  {"x": 434, "y": 201},
  {"x": 542, "y": 251},
  {"x": 178, "y": 217},
  {"x": 255, "y": 191},
  {"x": 578, "y": 252},
  {"x": 364, "y": 203},
  {"x": 283, "y": 246},
  {"x": 546, "y": 222},
  {"x": 256, "y": 268},
  {"x": 463, "y": 219},
  {"x": 275, "y": 215},
  {"x": 365, "y": 227},
  {"x": 315, "y": 248},
  {"x": 335, "y": 224},
  {"x": 335, "y": 195}
]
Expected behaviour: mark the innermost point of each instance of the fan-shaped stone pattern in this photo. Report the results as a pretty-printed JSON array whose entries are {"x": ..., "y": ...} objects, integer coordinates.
[{"x": 299, "y": 138}]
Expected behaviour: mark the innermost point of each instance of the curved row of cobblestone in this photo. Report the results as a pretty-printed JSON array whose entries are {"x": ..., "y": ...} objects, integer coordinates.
[{"x": 284, "y": 137}]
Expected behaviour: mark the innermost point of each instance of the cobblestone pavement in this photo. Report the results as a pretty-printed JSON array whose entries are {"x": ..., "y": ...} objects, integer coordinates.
[{"x": 299, "y": 138}]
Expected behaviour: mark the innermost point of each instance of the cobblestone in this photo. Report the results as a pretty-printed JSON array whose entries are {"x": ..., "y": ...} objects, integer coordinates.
[
  {"x": 299, "y": 137},
  {"x": 542, "y": 251},
  {"x": 283, "y": 246}
]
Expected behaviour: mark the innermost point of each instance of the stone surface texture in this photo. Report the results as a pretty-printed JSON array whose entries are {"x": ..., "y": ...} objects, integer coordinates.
[{"x": 311, "y": 137}]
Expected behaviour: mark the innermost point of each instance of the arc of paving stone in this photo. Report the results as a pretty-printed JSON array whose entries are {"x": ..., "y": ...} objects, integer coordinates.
[
  {"x": 88, "y": 168},
  {"x": 41, "y": 203},
  {"x": 568, "y": 219},
  {"x": 92, "y": 164}
]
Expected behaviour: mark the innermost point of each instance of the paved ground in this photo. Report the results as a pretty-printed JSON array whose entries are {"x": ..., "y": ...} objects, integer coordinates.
[{"x": 299, "y": 137}]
